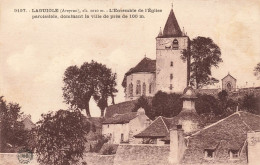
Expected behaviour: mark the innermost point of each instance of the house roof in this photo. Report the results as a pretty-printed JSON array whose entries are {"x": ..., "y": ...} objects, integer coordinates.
[
  {"x": 227, "y": 134},
  {"x": 28, "y": 121},
  {"x": 120, "y": 118},
  {"x": 142, "y": 154},
  {"x": 172, "y": 28},
  {"x": 158, "y": 128},
  {"x": 229, "y": 75},
  {"x": 120, "y": 108}
]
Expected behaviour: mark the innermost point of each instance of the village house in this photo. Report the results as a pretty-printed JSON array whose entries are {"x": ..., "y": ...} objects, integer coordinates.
[
  {"x": 27, "y": 122},
  {"x": 121, "y": 128}
]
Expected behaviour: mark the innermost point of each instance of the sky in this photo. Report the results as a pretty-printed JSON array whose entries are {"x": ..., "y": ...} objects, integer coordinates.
[{"x": 34, "y": 53}]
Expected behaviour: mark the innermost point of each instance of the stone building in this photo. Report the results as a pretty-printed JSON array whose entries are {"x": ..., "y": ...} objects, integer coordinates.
[
  {"x": 229, "y": 83},
  {"x": 121, "y": 128},
  {"x": 28, "y": 124},
  {"x": 168, "y": 72}
]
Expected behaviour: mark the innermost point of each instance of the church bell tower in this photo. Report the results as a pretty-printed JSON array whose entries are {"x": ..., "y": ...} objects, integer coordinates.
[{"x": 171, "y": 70}]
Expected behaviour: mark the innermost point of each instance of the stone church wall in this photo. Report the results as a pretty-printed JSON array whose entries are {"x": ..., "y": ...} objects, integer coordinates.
[{"x": 143, "y": 78}]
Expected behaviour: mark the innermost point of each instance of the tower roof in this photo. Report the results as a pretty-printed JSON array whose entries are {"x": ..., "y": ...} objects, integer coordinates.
[{"x": 172, "y": 28}]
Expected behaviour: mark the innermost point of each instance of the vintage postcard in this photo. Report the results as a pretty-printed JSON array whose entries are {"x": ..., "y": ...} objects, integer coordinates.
[{"x": 159, "y": 82}]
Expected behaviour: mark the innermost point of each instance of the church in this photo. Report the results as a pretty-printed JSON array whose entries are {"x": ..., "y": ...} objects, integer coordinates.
[
  {"x": 185, "y": 138},
  {"x": 168, "y": 73}
]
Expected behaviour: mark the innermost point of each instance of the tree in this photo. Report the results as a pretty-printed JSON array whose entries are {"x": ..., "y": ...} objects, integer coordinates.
[
  {"x": 91, "y": 79},
  {"x": 61, "y": 137},
  {"x": 257, "y": 71},
  {"x": 226, "y": 104},
  {"x": 207, "y": 104},
  {"x": 106, "y": 89},
  {"x": 167, "y": 105},
  {"x": 251, "y": 103},
  {"x": 202, "y": 55},
  {"x": 12, "y": 131}
]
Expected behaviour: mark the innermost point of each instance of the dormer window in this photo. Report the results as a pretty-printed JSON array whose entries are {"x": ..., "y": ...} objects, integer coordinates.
[
  {"x": 175, "y": 44},
  {"x": 233, "y": 154},
  {"x": 209, "y": 153}
]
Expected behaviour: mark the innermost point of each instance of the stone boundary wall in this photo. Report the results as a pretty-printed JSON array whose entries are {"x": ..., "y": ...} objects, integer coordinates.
[{"x": 12, "y": 159}]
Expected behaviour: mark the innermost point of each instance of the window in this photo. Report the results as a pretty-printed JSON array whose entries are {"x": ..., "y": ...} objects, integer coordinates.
[
  {"x": 108, "y": 126},
  {"x": 209, "y": 153},
  {"x": 144, "y": 89},
  {"x": 171, "y": 76},
  {"x": 150, "y": 88},
  {"x": 175, "y": 44},
  {"x": 171, "y": 87},
  {"x": 122, "y": 137},
  {"x": 171, "y": 63},
  {"x": 130, "y": 89},
  {"x": 138, "y": 87},
  {"x": 234, "y": 154}
]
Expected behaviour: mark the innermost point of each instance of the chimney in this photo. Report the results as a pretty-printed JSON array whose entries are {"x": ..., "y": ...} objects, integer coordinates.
[{"x": 177, "y": 145}]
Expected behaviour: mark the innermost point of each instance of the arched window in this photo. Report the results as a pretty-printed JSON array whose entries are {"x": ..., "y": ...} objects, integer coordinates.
[
  {"x": 175, "y": 44},
  {"x": 229, "y": 87},
  {"x": 138, "y": 87},
  {"x": 171, "y": 63},
  {"x": 171, "y": 76},
  {"x": 150, "y": 88},
  {"x": 144, "y": 89},
  {"x": 130, "y": 87}
]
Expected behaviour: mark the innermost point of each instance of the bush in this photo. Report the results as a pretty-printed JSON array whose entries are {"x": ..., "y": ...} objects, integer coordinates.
[
  {"x": 109, "y": 149},
  {"x": 148, "y": 141},
  {"x": 142, "y": 102},
  {"x": 167, "y": 105},
  {"x": 207, "y": 104},
  {"x": 100, "y": 142}
]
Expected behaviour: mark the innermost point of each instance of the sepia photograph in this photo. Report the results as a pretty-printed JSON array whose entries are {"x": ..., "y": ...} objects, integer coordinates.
[{"x": 110, "y": 82}]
